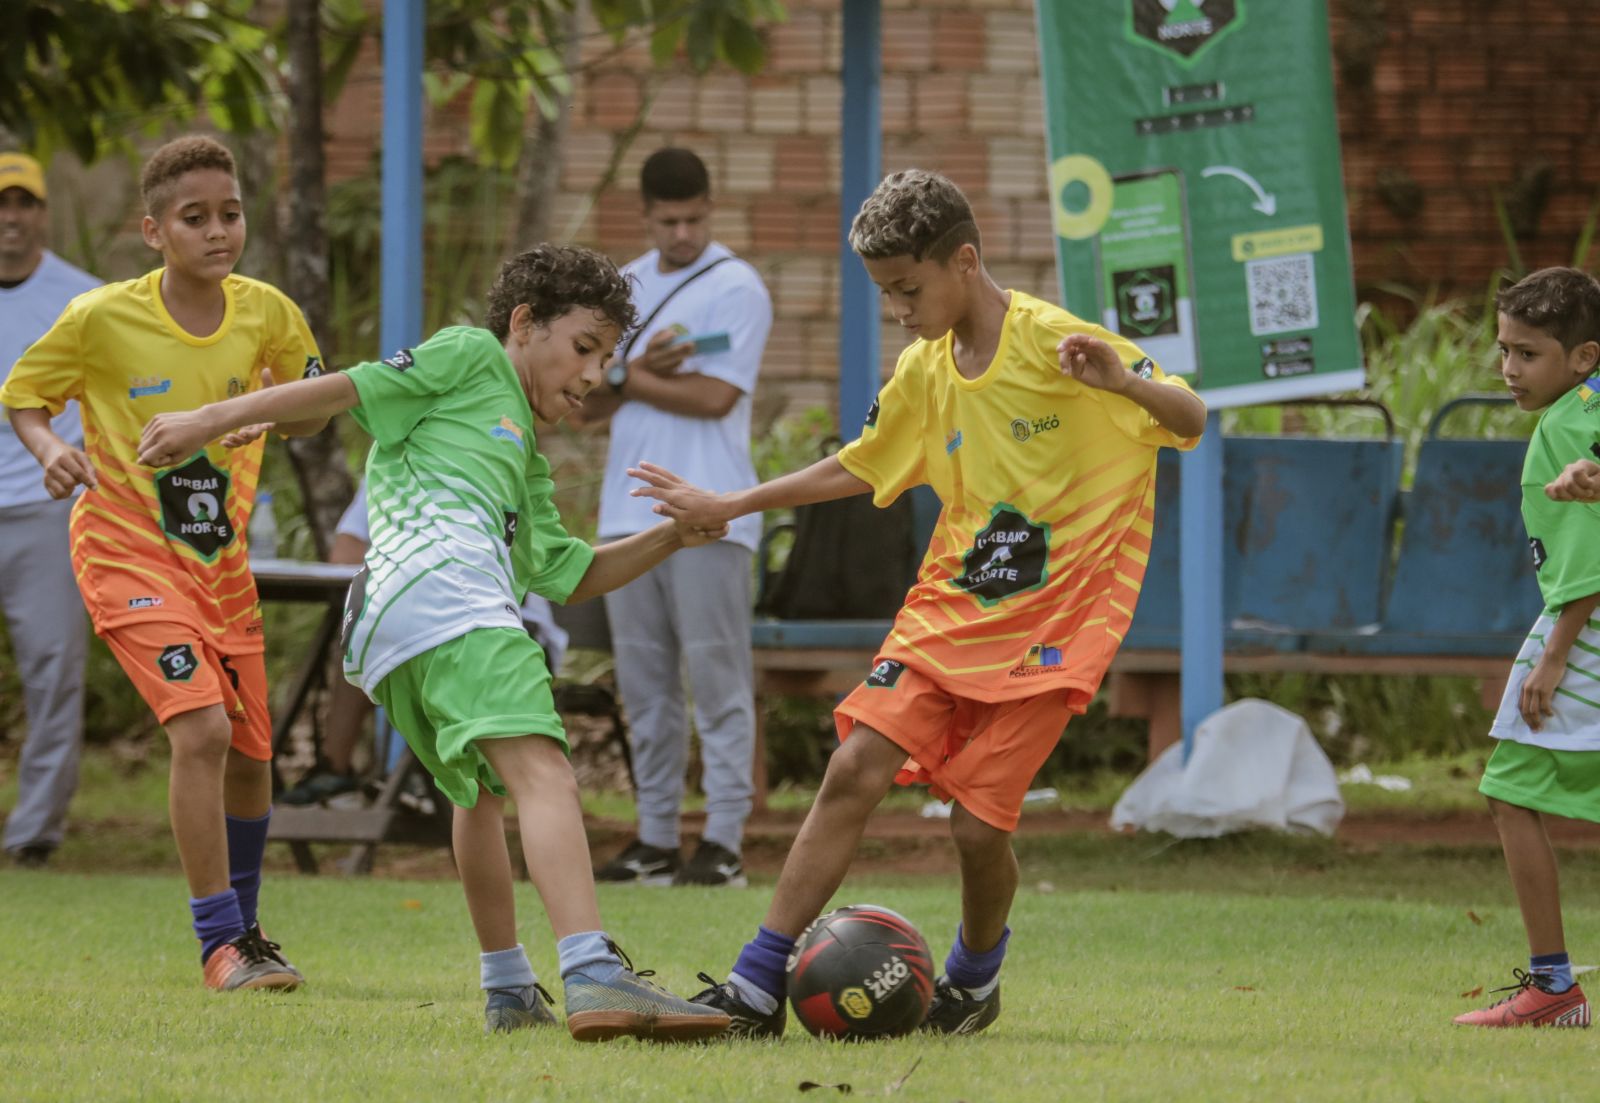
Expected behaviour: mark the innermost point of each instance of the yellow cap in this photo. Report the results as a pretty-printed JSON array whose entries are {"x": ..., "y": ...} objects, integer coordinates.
[{"x": 18, "y": 170}]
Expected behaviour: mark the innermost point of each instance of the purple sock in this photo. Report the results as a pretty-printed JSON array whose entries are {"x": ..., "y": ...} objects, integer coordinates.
[
  {"x": 247, "y": 843},
  {"x": 763, "y": 961},
  {"x": 969, "y": 970},
  {"x": 216, "y": 920}
]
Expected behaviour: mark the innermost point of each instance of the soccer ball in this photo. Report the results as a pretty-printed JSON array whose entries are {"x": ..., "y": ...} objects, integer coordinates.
[{"x": 860, "y": 972}]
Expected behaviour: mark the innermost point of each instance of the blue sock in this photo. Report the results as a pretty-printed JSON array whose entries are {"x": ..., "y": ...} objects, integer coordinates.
[
  {"x": 216, "y": 920},
  {"x": 1556, "y": 967},
  {"x": 590, "y": 953},
  {"x": 975, "y": 971},
  {"x": 247, "y": 844},
  {"x": 763, "y": 964}
]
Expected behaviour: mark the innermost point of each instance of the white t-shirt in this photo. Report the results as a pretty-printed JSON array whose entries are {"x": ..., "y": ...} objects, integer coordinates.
[
  {"x": 713, "y": 453},
  {"x": 27, "y": 311}
]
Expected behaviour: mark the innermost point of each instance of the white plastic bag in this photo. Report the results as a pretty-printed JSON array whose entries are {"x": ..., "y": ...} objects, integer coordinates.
[{"x": 1254, "y": 765}]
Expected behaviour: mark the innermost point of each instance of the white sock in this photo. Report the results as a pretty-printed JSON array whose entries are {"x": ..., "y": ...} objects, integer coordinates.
[{"x": 752, "y": 994}]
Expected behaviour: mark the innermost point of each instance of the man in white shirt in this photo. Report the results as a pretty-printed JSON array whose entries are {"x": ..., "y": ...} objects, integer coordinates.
[
  {"x": 685, "y": 404},
  {"x": 38, "y": 595}
]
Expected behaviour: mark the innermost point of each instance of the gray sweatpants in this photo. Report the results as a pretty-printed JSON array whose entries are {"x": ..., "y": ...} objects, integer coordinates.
[
  {"x": 689, "y": 615},
  {"x": 47, "y": 625}
]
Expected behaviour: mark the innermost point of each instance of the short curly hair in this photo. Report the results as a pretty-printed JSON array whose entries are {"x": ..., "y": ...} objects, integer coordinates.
[
  {"x": 553, "y": 279},
  {"x": 191, "y": 153},
  {"x": 1563, "y": 302},
  {"x": 917, "y": 214}
]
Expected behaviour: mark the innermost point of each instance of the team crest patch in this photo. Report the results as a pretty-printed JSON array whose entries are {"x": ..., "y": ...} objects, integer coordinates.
[
  {"x": 177, "y": 663},
  {"x": 872, "y": 414},
  {"x": 1007, "y": 558},
  {"x": 193, "y": 500},
  {"x": 1536, "y": 547},
  {"x": 313, "y": 367},
  {"x": 885, "y": 674},
  {"x": 510, "y": 533},
  {"x": 401, "y": 360},
  {"x": 1145, "y": 368},
  {"x": 235, "y": 387}
]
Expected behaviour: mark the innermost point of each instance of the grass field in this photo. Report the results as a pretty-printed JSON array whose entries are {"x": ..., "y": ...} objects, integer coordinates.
[{"x": 1245, "y": 968}]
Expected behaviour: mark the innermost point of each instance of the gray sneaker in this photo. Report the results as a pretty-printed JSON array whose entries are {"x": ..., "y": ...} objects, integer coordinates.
[
  {"x": 506, "y": 1011},
  {"x": 628, "y": 1005}
]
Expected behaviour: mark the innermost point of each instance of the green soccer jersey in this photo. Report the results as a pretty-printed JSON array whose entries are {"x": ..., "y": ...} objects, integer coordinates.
[
  {"x": 1563, "y": 536},
  {"x": 458, "y": 498}
]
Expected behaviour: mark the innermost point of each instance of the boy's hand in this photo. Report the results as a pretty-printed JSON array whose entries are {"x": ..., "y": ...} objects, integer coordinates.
[
  {"x": 65, "y": 469},
  {"x": 168, "y": 438},
  {"x": 682, "y": 502},
  {"x": 691, "y": 537},
  {"x": 241, "y": 437},
  {"x": 1580, "y": 482},
  {"x": 1538, "y": 693},
  {"x": 662, "y": 356},
  {"x": 1093, "y": 363}
]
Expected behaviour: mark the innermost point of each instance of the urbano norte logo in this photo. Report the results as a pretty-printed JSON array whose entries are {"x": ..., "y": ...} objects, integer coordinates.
[
  {"x": 193, "y": 499},
  {"x": 1007, "y": 558},
  {"x": 1182, "y": 28},
  {"x": 508, "y": 430}
]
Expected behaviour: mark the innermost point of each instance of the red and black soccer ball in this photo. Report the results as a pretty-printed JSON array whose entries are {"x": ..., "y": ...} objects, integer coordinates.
[{"x": 861, "y": 972}]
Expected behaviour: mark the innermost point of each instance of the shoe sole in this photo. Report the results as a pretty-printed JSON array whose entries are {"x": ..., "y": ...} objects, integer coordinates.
[
  {"x": 276, "y": 982},
  {"x": 739, "y": 882},
  {"x": 654, "y": 880},
  {"x": 602, "y": 1026},
  {"x": 509, "y": 1022}
]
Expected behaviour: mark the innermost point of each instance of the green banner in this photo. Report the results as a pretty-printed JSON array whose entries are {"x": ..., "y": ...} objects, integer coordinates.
[{"x": 1198, "y": 199}]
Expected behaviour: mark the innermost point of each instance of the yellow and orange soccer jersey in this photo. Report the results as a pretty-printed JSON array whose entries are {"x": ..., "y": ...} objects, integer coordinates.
[
  {"x": 164, "y": 544},
  {"x": 1048, "y": 488}
]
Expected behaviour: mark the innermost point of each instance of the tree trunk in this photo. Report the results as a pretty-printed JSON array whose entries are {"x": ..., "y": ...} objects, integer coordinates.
[
  {"x": 319, "y": 461},
  {"x": 539, "y": 171}
]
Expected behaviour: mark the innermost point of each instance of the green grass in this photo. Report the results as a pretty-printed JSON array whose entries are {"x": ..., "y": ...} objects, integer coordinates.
[{"x": 1248, "y": 968}]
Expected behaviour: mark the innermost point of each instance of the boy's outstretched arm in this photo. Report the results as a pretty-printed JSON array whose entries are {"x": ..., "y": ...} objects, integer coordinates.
[
  {"x": 823, "y": 481},
  {"x": 169, "y": 438},
  {"x": 621, "y": 561},
  {"x": 1094, "y": 363},
  {"x": 1580, "y": 482},
  {"x": 1539, "y": 688},
  {"x": 64, "y": 466}
]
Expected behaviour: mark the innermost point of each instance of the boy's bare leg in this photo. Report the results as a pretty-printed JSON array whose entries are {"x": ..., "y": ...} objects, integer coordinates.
[
  {"x": 540, "y": 780},
  {"x": 1532, "y": 865},
  {"x": 859, "y": 774},
  {"x": 988, "y": 878},
  {"x": 478, "y": 835},
  {"x": 246, "y": 786},
  {"x": 200, "y": 742}
]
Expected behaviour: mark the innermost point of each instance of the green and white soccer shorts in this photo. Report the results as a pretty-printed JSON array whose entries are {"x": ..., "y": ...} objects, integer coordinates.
[
  {"x": 491, "y": 683},
  {"x": 1562, "y": 783}
]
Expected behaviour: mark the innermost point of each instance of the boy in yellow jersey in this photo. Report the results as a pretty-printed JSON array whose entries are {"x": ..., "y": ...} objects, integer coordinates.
[
  {"x": 160, "y": 554},
  {"x": 1039, "y": 432}
]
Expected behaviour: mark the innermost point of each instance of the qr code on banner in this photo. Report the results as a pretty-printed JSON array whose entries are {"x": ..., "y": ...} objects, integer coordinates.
[{"x": 1283, "y": 294}]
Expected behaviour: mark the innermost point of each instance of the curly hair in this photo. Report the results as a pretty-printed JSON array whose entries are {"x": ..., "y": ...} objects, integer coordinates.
[
  {"x": 1564, "y": 302},
  {"x": 553, "y": 279},
  {"x": 917, "y": 214},
  {"x": 178, "y": 157}
]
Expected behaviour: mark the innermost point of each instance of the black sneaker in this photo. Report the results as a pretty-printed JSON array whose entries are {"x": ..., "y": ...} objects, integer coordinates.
[
  {"x": 712, "y": 864},
  {"x": 317, "y": 787},
  {"x": 640, "y": 864},
  {"x": 745, "y": 1021},
  {"x": 32, "y": 856},
  {"x": 957, "y": 1011},
  {"x": 505, "y": 1010}
]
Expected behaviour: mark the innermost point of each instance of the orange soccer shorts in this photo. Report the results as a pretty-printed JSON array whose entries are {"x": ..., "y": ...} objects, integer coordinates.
[
  {"x": 177, "y": 671},
  {"x": 982, "y": 754}
]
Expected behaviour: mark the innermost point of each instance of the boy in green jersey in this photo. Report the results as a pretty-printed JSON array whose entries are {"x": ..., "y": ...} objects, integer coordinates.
[
  {"x": 462, "y": 527},
  {"x": 1548, "y": 759}
]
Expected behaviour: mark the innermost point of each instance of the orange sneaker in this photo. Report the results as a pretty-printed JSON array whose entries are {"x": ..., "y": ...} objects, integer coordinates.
[
  {"x": 247, "y": 963},
  {"x": 1531, "y": 1003}
]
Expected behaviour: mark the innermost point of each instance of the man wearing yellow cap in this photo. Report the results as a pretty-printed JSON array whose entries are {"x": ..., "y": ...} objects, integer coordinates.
[{"x": 38, "y": 595}]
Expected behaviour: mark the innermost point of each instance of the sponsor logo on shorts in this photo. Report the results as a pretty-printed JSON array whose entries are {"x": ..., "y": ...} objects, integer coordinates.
[
  {"x": 886, "y": 674},
  {"x": 147, "y": 386},
  {"x": 178, "y": 663},
  {"x": 143, "y": 602}
]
